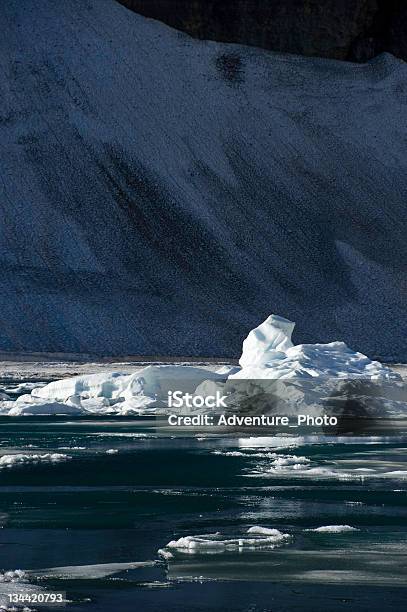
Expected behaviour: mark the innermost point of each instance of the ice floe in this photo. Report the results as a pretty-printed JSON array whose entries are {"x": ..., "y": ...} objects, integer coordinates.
[
  {"x": 13, "y": 576},
  {"x": 17, "y": 583},
  {"x": 333, "y": 529},
  {"x": 88, "y": 572},
  {"x": 9, "y": 461},
  {"x": 254, "y": 538},
  {"x": 24, "y": 582},
  {"x": 274, "y": 465}
]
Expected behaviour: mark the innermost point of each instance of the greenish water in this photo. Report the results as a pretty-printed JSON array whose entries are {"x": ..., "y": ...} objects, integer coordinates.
[{"x": 119, "y": 490}]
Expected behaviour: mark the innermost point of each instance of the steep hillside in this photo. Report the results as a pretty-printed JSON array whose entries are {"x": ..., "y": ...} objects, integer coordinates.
[{"x": 161, "y": 195}]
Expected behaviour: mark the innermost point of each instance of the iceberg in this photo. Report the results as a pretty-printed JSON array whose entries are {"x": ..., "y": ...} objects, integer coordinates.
[
  {"x": 270, "y": 364},
  {"x": 268, "y": 352},
  {"x": 327, "y": 378}
]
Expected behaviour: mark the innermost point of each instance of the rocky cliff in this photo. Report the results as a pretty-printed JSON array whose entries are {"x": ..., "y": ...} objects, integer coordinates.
[{"x": 355, "y": 30}]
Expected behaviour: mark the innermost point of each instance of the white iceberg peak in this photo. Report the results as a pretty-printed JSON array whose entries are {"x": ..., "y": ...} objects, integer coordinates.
[
  {"x": 264, "y": 342},
  {"x": 268, "y": 353}
]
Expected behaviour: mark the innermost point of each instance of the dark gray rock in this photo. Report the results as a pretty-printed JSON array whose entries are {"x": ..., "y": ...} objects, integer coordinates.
[{"x": 355, "y": 30}]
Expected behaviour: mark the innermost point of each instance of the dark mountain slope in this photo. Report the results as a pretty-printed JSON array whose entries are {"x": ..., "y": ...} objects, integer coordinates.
[{"x": 162, "y": 195}]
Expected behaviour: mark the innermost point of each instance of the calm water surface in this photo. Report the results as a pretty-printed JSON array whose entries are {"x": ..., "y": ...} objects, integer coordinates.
[{"x": 118, "y": 491}]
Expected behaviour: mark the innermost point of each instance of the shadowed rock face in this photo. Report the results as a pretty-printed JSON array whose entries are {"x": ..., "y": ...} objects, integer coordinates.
[
  {"x": 161, "y": 195},
  {"x": 355, "y": 30}
]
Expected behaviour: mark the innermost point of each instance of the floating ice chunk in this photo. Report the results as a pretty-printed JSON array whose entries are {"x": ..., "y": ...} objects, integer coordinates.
[
  {"x": 255, "y": 538},
  {"x": 152, "y": 381},
  {"x": 166, "y": 554},
  {"x": 16, "y": 582},
  {"x": 333, "y": 529},
  {"x": 264, "y": 531},
  {"x": 293, "y": 462},
  {"x": 88, "y": 572},
  {"x": 274, "y": 465},
  {"x": 9, "y": 461},
  {"x": 13, "y": 576},
  {"x": 29, "y": 408}
]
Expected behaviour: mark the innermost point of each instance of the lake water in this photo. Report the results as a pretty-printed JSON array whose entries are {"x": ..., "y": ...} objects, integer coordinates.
[{"x": 80, "y": 496}]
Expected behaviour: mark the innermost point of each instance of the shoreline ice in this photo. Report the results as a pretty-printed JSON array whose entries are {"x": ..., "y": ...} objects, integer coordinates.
[{"x": 268, "y": 357}]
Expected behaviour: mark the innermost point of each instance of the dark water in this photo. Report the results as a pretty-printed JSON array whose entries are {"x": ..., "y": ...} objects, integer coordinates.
[{"x": 96, "y": 507}]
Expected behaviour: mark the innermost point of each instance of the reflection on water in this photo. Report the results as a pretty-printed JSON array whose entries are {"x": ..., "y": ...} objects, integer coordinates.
[{"x": 120, "y": 515}]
